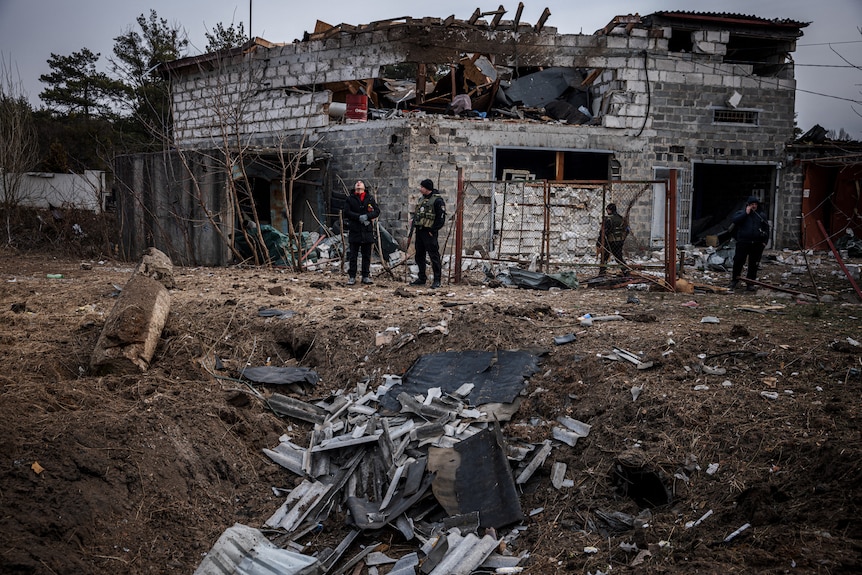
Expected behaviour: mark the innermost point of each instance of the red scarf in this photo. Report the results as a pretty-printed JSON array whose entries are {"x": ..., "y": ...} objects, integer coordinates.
[{"x": 361, "y": 196}]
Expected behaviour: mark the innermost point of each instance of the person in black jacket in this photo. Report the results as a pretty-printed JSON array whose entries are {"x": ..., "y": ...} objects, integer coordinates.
[
  {"x": 752, "y": 233},
  {"x": 360, "y": 211},
  {"x": 429, "y": 217}
]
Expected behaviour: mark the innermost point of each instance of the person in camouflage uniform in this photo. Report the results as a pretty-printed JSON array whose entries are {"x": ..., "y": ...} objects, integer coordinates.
[
  {"x": 429, "y": 217},
  {"x": 612, "y": 236}
]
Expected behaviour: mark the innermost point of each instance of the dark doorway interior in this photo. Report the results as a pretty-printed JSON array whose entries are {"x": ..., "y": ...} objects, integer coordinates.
[
  {"x": 255, "y": 192},
  {"x": 554, "y": 165},
  {"x": 718, "y": 190}
]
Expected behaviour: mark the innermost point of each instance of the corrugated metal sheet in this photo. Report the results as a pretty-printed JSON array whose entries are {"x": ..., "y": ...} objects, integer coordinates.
[
  {"x": 243, "y": 550},
  {"x": 728, "y": 17}
]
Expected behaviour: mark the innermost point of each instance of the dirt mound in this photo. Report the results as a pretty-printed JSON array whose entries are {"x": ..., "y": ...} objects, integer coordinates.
[{"x": 749, "y": 421}]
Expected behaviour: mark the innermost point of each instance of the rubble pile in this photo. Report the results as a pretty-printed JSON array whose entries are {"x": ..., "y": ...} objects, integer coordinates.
[{"x": 424, "y": 455}]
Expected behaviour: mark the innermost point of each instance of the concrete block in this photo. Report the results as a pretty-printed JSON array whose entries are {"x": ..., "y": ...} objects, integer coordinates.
[
  {"x": 613, "y": 122},
  {"x": 616, "y": 42},
  {"x": 638, "y": 43},
  {"x": 712, "y": 80}
]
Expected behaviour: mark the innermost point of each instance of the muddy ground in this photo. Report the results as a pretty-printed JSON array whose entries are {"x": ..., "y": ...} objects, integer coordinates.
[{"x": 141, "y": 474}]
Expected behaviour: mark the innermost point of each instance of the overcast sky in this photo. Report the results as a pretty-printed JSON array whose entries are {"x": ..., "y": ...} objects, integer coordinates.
[{"x": 828, "y": 86}]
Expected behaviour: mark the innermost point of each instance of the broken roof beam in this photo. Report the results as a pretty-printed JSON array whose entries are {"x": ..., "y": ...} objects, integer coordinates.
[
  {"x": 518, "y": 13},
  {"x": 542, "y": 19},
  {"x": 498, "y": 15}
]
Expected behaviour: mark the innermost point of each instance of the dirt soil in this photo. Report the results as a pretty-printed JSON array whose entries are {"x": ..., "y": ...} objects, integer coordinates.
[{"x": 142, "y": 473}]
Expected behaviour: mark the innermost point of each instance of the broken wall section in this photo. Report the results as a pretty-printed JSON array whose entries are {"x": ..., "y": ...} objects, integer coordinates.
[{"x": 278, "y": 88}]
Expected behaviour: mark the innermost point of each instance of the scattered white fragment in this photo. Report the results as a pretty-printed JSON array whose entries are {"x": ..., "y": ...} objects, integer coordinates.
[
  {"x": 712, "y": 468},
  {"x": 769, "y": 394},
  {"x": 591, "y": 549},
  {"x": 737, "y": 532}
]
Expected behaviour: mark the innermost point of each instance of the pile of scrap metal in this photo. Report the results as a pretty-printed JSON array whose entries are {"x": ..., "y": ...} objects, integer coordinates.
[{"x": 423, "y": 455}]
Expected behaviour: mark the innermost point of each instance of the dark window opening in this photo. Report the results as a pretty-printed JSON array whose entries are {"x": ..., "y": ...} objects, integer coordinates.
[
  {"x": 767, "y": 56},
  {"x": 731, "y": 116},
  {"x": 680, "y": 41},
  {"x": 554, "y": 165}
]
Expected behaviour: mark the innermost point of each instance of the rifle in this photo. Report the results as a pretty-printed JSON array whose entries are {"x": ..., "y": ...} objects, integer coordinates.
[
  {"x": 409, "y": 237},
  {"x": 407, "y": 250}
]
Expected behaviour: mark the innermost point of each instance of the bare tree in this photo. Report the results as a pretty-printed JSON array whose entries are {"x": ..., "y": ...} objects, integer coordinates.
[
  {"x": 18, "y": 144},
  {"x": 228, "y": 104}
]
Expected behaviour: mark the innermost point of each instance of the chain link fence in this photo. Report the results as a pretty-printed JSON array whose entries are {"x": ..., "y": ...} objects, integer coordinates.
[{"x": 552, "y": 225}]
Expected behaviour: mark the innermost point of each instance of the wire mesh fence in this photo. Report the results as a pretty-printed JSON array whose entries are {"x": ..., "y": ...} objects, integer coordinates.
[{"x": 552, "y": 224}]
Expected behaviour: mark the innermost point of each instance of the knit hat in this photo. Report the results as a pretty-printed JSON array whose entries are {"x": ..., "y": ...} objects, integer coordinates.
[{"x": 427, "y": 184}]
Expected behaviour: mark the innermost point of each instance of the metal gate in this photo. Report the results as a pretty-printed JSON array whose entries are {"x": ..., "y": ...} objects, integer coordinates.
[{"x": 547, "y": 224}]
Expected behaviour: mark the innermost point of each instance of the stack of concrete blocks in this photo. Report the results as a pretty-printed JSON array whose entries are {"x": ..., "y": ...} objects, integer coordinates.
[
  {"x": 518, "y": 219},
  {"x": 575, "y": 218}
]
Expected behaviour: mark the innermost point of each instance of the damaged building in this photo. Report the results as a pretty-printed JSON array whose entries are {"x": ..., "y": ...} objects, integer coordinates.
[
  {"x": 707, "y": 95},
  {"x": 831, "y": 191}
]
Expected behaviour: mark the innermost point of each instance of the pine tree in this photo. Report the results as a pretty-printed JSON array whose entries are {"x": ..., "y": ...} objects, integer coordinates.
[{"x": 76, "y": 88}]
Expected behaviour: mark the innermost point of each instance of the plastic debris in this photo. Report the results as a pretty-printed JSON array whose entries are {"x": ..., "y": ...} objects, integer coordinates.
[
  {"x": 564, "y": 339},
  {"x": 691, "y": 524},
  {"x": 737, "y": 532}
]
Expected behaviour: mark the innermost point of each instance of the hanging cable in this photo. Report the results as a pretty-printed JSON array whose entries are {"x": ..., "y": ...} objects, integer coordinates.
[{"x": 648, "y": 95}]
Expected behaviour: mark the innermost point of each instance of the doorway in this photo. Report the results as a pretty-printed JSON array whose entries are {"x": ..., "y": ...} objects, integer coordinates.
[{"x": 719, "y": 190}]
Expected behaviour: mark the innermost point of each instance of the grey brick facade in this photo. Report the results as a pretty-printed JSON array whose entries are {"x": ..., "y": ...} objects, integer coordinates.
[{"x": 655, "y": 106}]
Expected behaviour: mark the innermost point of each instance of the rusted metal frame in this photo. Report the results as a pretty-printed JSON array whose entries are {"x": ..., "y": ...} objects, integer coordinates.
[
  {"x": 459, "y": 227},
  {"x": 502, "y": 214},
  {"x": 545, "y": 256},
  {"x": 776, "y": 288},
  {"x": 670, "y": 222},
  {"x": 839, "y": 260}
]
